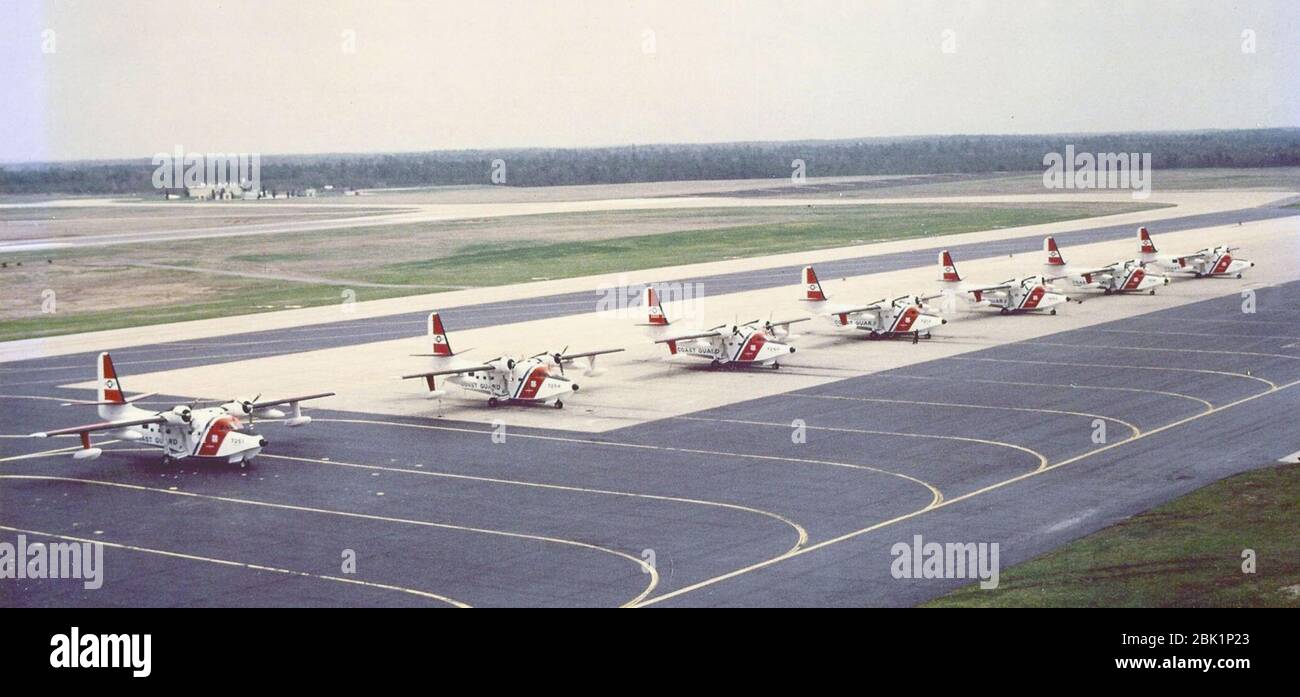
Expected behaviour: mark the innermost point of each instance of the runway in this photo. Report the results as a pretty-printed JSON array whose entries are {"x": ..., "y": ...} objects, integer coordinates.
[{"x": 995, "y": 442}]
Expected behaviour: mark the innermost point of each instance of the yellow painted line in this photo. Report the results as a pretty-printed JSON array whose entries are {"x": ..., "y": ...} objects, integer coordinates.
[
  {"x": 1227, "y": 321},
  {"x": 242, "y": 565},
  {"x": 1036, "y": 410},
  {"x": 1202, "y": 371},
  {"x": 801, "y": 535},
  {"x": 1174, "y": 350},
  {"x": 1140, "y": 390},
  {"x": 647, "y": 568},
  {"x": 1150, "y": 332},
  {"x": 1042, "y": 459},
  {"x": 958, "y": 499},
  {"x": 934, "y": 491}
]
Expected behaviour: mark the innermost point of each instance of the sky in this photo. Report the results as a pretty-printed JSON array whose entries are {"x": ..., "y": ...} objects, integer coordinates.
[{"x": 129, "y": 78}]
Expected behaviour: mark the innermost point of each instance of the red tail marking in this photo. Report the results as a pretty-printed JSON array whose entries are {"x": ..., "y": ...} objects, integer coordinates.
[
  {"x": 812, "y": 286},
  {"x": 1053, "y": 253},
  {"x": 949, "y": 269},
  {"x": 656, "y": 312},
  {"x": 441, "y": 346},
  {"x": 110, "y": 385},
  {"x": 1144, "y": 241}
]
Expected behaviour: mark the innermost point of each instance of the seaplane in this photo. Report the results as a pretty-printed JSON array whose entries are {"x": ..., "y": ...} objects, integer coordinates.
[
  {"x": 1015, "y": 295},
  {"x": 215, "y": 434},
  {"x": 1128, "y": 276},
  {"x": 1217, "y": 261},
  {"x": 503, "y": 379},
  {"x": 757, "y": 342},
  {"x": 902, "y": 317}
]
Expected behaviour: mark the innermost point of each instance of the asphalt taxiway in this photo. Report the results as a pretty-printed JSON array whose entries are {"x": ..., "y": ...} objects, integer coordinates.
[{"x": 786, "y": 498}]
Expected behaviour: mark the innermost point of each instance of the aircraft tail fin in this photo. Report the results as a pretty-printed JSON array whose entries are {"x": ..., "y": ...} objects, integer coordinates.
[
  {"x": 948, "y": 268},
  {"x": 812, "y": 287},
  {"x": 1054, "y": 256},
  {"x": 655, "y": 316},
  {"x": 110, "y": 388},
  {"x": 438, "y": 336},
  {"x": 1145, "y": 244}
]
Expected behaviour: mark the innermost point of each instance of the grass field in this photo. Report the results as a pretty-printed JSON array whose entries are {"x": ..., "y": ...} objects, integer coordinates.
[
  {"x": 503, "y": 263},
  {"x": 1186, "y": 553},
  {"x": 107, "y": 288}
]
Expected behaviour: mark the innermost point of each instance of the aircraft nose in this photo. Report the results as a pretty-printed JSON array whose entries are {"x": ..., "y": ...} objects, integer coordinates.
[
  {"x": 575, "y": 387},
  {"x": 791, "y": 349},
  {"x": 261, "y": 442},
  {"x": 943, "y": 321}
]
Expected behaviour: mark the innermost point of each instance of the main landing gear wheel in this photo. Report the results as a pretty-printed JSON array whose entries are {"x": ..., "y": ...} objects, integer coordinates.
[
  {"x": 715, "y": 364},
  {"x": 1053, "y": 312},
  {"x": 1106, "y": 291},
  {"x": 1238, "y": 275},
  {"x": 1152, "y": 292},
  {"x": 559, "y": 404},
  {"x": 493, "y": 402},
  {"x": 1005, "y": 311},
  {"x": 776, "y": 366}
]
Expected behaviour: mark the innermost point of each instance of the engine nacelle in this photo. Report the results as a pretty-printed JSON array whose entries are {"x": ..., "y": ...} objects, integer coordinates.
[{"x": 270, "y": 413}]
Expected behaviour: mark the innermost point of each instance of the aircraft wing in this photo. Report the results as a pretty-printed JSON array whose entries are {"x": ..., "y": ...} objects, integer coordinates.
[
  {"x": 101, "y": 426},
  {"x": 685, "y": 337},
  {"x": 856, "y": 310},
  {"x": 987, "y": 289},
  {"x": 290, "y": 400},
  {"x": 788, "y": 322},
  {"x": 1099, "y": 271},
  {"x": 588, "y": 354},
  {"x": 450, "y": 371}
]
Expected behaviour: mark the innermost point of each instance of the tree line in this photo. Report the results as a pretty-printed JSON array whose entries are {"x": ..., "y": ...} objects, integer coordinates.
[{"x": 961, "y": 154}]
